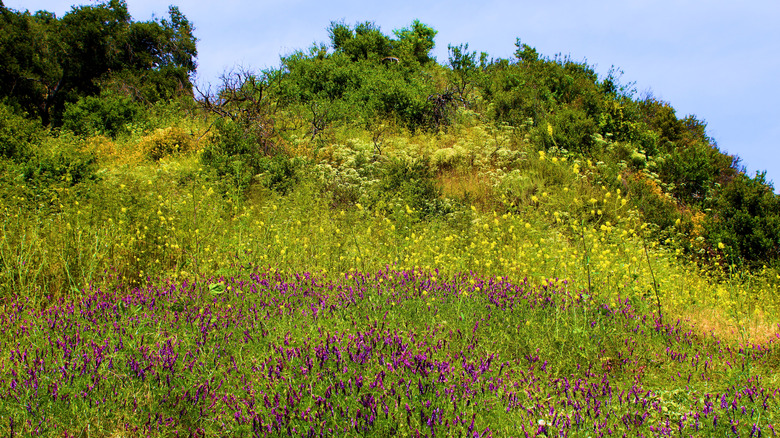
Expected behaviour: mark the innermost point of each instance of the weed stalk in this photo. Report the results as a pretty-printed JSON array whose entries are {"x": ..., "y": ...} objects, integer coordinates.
[{"x": 655, "y": 283}]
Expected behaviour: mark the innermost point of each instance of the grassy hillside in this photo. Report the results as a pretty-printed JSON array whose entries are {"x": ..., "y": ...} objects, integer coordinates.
[{"x": 366, "y": 242}]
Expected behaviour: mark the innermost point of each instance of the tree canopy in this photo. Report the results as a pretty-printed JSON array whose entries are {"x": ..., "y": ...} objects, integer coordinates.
[
  {"x": 366, "y": 41},
  {"x": 47, "y": 62}
]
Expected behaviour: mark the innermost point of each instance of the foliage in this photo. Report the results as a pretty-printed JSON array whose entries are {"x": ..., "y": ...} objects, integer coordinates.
[
  {"x": 60, "y": 166},
  {"x": 245, "y": 113},
  {"x": 573, "y": 131},
  {"x": 746, "y": 219},
  {"x": 411, "y": 186},
  {"x": 367, "y": 77},
  {"x": 166, "y": 142},
  {"x": 108, "y": 114},
  {"x": 55, "y": 61},
  {"x": 552, "y": 237},
  {"x": 465, "y": 71},
  {"x": 231, "y": 154},
  {"x": 415, "y": 43},
  {"x": 695, "y": 171},
  {"x": 280, "y": 173},
  {"x": 18, "y": 135},
  {"x": 365, "y": 41}
]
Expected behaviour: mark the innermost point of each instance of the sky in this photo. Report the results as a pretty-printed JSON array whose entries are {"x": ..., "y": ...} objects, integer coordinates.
[{"x": 716, "y": 59}]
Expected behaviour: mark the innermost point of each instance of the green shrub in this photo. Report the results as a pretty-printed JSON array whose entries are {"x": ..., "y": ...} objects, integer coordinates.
[
  {"x": 166, "y": 142},
  {"x": 238, "y": 160},
  {"x": 231, "y": 154},
  {"x": 746, "y": 219},
  {"x": 695, "y": 169},
  {"x": 355, "y": 84},
  {"x": 108, "y": 114},
  {"x": 656, "y": 206},
  {"x": 661, "y": 117},
  {"x": 280, "y": 173},
  {"x": 66, "y": 167},
  {"x": 411, "y": 184},
  {"x": 570, "y": 129},
  {"x": 18, "y": 135},
  {"x": 390, "y": 95}
]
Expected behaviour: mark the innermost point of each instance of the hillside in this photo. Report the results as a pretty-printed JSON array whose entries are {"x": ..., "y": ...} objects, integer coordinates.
[{"x": 365, "y": 241}]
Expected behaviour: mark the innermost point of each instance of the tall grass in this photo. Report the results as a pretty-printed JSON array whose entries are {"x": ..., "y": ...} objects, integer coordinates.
[
  {"x": 521, "y": 214},
  {"x": 532, "y": 296}
]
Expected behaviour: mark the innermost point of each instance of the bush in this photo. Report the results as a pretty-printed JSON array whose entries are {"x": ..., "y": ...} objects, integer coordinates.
[
  {"x": 343, "y": 86},
  {"x": 572, "y": 130},
  {"x": 166, "y": 142},
  {"x": 109, "y": 114},
  {"x": 746, "y": 219},
  {"x": 695, "y": 169},
  {"x": 388, "y": 95},
  {"x": 238, "y": 160},
  {"x": 656, "y": 207},
  {"x": 412, "y": 184},
  {"x": 231, "y": 154},
  {"x": 18, "y": 135},
  {"x": 279, "y": 173},
  {"x": 67, "y": 167}
]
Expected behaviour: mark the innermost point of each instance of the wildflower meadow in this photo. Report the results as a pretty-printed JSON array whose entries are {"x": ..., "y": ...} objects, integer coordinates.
[{"x": 367, "y": 241}]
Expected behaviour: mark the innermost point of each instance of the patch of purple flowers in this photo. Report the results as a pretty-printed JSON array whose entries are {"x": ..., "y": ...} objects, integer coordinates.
[{"x": 397, "y": 352}]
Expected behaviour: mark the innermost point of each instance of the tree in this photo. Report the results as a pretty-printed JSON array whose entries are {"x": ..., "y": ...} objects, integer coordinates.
[
  {"x": 364, "y": 41},
  {"x": 30, "y": 69},
  {"x": 48, "y": 62},
  {"x": 162, "y": 57},
  {"x": 464, "y": 69},
  {"x": 416, "y": 42}
]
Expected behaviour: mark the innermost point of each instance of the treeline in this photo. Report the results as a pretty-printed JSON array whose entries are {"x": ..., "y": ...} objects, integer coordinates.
[{"x": 95, "y": 70}]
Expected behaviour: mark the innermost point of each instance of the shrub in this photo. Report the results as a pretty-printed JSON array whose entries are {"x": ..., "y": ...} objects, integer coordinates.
[
  {"x": 109, "y": 114},
  {"x": 18, "y": 135},
  {"x": 166, "y": 142},
  {"x": 695, "y": 169},
  {"x": 656, "y": 206},
  {"x": 746, "y": 219},
  {"x": 231, "y": 154},
  {"x": 571, "y": 129},
  {"x": 238, "y": 160},
  {"x": 355, "y": 84},
  {"x": 66, "y": 167},
  {"x": 280, "y": 173},
  {"x": 411, "y": 183}
]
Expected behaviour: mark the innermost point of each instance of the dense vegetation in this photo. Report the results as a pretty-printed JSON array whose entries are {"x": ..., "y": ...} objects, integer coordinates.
[
  {"x": 366, "y": 241},
  {"x": 92, "y": 63}
]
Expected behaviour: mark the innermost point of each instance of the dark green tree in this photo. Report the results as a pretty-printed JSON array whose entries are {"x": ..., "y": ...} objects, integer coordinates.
[
  {"x": 31, "y": 71},
  {"x": 48, "y": 62},
  {"x": 364, "y": 41}
]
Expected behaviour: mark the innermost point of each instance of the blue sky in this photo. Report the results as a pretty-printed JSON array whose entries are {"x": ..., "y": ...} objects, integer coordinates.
[{"x": 717, "y": 59}]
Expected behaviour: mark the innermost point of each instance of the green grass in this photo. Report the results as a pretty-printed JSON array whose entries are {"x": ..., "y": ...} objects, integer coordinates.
[{"x": 531, "y": 277}]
